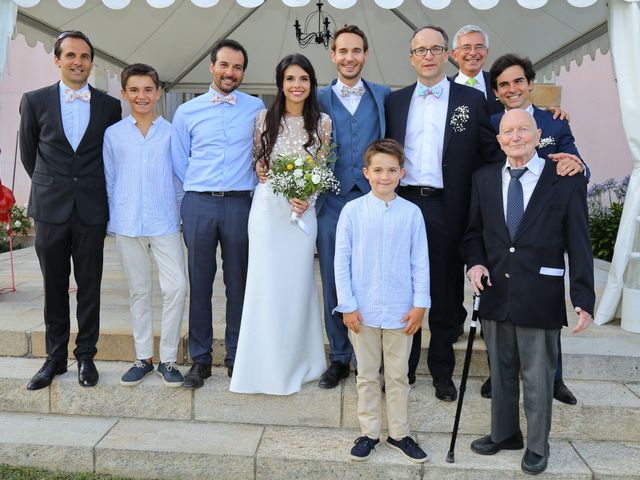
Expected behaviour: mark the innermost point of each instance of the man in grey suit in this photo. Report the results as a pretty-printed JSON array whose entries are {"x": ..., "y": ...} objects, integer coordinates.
[{"x": 523, "y": 217}]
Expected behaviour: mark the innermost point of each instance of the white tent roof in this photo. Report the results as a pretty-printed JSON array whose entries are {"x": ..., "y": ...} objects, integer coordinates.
[{"x": 176, "y": 36}]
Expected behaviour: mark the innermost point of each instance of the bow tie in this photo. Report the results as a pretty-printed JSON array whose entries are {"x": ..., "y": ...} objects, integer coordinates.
[
  {"x": 346, "y": 91},
  {"x": 424, "y": 91},
  {"x": 70, "y": 95},
  {"x": 230, "y": 99}
]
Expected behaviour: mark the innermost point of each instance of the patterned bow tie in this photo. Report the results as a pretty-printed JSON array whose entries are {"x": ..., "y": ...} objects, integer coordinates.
[
  {"x": 424, "y": 91},
  {"x": 346, "y": 91},
  {"x": 70, "y": 95},
  {"x": 230, "y": 99}
]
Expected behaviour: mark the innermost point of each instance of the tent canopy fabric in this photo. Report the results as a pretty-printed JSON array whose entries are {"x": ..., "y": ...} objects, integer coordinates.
[{"x": 176, "y": 36}]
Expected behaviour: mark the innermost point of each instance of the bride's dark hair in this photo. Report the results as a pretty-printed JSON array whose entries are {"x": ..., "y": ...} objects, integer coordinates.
[{"x": 275, "y": 114}]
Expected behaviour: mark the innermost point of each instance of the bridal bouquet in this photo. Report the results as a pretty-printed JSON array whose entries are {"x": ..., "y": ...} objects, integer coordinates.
[{"x": 302, "y": 176}]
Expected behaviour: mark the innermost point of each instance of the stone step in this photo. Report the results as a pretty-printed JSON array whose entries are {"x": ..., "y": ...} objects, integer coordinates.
[
  {"x": 605, "y": 411},
  {"x": 197, "y": 450}
]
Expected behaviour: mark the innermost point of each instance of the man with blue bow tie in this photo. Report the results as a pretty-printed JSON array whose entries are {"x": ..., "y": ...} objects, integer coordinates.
[
  {"x": 356, "y": 108},
  {"x": 446, "y": 133},
  {"x": 211, "y": 142},
  {"x": 61, "y": 131}
]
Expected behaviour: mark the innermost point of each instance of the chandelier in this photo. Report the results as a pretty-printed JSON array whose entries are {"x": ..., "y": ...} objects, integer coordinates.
[{"x": 326, "y": 27}]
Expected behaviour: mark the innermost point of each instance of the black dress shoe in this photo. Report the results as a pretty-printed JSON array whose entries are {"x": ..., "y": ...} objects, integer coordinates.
[
  {"x": 412, "y": 378},
  {"x": 332, "y": 376},
  {"x": 230, "y": 371},
  {"x": 445, "y": 390},
  {"x": 532, "y": 463},
  {"x": 45, "y": 375},
  {"x": 562, "y": 393},
  {"x": 196, "y": 375},
  {"x": 485, "y": 446},
  {"x": 485, "y": 389},
  {"x": 87, "y": 373}
]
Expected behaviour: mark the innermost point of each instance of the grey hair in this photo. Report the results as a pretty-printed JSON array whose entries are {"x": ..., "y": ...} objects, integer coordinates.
[{"x": 470, "y": 29}]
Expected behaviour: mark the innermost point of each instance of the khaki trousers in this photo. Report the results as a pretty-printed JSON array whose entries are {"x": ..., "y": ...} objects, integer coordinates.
[{"x": 371, "y": 345}]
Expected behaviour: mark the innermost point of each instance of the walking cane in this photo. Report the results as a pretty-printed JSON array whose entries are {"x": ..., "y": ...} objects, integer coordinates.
[{"x": 465, "y": 372}]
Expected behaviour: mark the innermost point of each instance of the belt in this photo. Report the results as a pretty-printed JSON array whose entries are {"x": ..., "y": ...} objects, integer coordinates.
[
  {"x": 420, "y": 191},
  {"x": 232, "y": 193}
]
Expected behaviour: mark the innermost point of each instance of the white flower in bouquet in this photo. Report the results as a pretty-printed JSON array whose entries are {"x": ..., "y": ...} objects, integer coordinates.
[
  {"x": 315, "y": 178},
  {"x": 298, "y": 162},
  {"x": 297, "y": 173}
]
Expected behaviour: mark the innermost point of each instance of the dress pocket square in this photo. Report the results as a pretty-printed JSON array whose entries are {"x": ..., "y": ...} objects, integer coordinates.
[{"x": 554, "y": 272}]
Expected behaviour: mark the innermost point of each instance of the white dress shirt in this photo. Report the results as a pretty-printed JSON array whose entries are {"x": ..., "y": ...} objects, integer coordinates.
[
  {"x": 461, "y": 78},
  {"x": 75, "y": 115},
  {"x": 382, "y": 260},
  {"x": 350, "y": 102},
  {"x": 528, "y": 180},
  {"x": 424, "y": 138}
]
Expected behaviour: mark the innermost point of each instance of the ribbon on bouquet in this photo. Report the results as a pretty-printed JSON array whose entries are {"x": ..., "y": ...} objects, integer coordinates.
[{"x": 301, "y": 224}]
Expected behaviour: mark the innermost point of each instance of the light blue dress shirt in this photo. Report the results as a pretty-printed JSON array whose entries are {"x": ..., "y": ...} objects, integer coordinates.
[
  {"x": 382, "y": 260},
  {"x": 75, "y": 115},
  {"x": 212, "y": 144},
  {"x": 142, "y": 190}
]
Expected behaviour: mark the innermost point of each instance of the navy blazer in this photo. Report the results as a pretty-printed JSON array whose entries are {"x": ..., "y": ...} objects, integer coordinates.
[
  {"x": 60, "y": 176},
  {"x": 492, "y": 101},
  {"x": 556, "y": 135},
  {"x": 555, "y": 221},
  {"x": 463, "y": 151}
]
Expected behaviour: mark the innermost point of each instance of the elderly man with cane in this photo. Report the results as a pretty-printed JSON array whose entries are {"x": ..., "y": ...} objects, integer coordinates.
[{"x": 523, "y": 217}]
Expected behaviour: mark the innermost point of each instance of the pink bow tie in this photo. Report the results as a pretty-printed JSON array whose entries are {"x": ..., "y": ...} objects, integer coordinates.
[
  {"x": 70, "y": 95},
  {"x": 230, "y": 99}
]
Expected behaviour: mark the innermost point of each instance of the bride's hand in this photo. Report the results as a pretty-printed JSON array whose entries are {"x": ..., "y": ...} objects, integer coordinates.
[{"x": 299, "y": 206}]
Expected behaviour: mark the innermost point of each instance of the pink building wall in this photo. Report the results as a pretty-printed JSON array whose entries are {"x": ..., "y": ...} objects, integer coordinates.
[{"x": 590, "y": 95}]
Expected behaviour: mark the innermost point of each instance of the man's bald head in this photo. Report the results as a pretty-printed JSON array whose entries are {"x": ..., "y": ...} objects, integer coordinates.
[{"x": 519, "y": 136}]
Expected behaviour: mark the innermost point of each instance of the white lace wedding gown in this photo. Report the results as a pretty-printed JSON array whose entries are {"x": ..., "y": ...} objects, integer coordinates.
[{"x": 280, "y": 346}]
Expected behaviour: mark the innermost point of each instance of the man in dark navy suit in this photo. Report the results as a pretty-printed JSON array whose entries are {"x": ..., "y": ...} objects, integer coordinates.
[
  {"x": 61, "y": 132},
  {"x": 512, "y": 82},
  {"x": 447, "y": 135},
  {"x": 523, "y": 217}
]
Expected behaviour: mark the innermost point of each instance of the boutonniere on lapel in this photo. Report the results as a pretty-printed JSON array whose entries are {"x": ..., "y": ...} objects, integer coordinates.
[
  {"x": 546, "y": 142},
  {"x": 459, "y": 118}
]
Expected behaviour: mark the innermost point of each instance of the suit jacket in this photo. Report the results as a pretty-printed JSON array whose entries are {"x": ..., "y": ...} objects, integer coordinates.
[
  {"x": 492, "y": 101},
  {"x": 556, "y": 135},
  {"x": 380, "y": 94},
  {"x": 60, "y": 176},
  {"x": 464, "y": 151},
  {"x": 528, "y": 273}
]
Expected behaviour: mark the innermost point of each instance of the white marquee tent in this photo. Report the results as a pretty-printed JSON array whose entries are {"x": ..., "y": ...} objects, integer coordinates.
[{"x": 175, "y": 36}]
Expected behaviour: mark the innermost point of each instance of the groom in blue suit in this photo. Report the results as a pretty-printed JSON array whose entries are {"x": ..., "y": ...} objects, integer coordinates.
[
  {"x": 356, "y": 108},
  {"x": 512, "y": 82}
]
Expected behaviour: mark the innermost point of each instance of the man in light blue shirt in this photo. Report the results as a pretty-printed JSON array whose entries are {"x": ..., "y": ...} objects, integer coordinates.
[
  {"x": 212, "y": 143},
  {"x": 382, "y": 281},
  {"x": 143, "y": 214}
]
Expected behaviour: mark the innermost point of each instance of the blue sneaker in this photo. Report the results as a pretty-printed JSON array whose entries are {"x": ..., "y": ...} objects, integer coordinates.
[
  {"x": 170, "y": 374},
  {"x": 135, "y": 374},
  {"x": 363, "y": 448},
  {"x": 409, "y": 448}
]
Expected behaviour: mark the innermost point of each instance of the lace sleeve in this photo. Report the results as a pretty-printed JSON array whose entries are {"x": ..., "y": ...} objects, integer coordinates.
[
  {"x": 325, "y": 135},
  {"x": 258, "y": 128}
]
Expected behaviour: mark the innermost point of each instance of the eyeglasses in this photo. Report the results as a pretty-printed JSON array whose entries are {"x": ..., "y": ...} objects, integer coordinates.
[
  {"x": 436, "y": 51},
  {"x": 480, "y": 48}
]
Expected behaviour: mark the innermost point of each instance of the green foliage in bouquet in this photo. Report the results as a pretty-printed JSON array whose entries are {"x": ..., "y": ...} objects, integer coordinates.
[{"x": 301, "y": 176}]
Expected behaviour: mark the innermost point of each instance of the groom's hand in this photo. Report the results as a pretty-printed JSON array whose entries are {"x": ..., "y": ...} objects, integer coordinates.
[
  {"x": 413, "y": 319},
  {"x": 261, "y": 171},
  {"x": 353, "y": 320}
]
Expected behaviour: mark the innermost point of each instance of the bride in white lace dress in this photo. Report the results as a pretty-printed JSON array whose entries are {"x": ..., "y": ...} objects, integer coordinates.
[{"x": 281, "y": 343}]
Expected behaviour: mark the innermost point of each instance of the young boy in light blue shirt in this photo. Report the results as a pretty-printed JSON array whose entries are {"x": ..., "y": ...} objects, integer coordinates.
[
  {"x": 143, "y": 214},
  {"x": 382, "y": 281}
]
